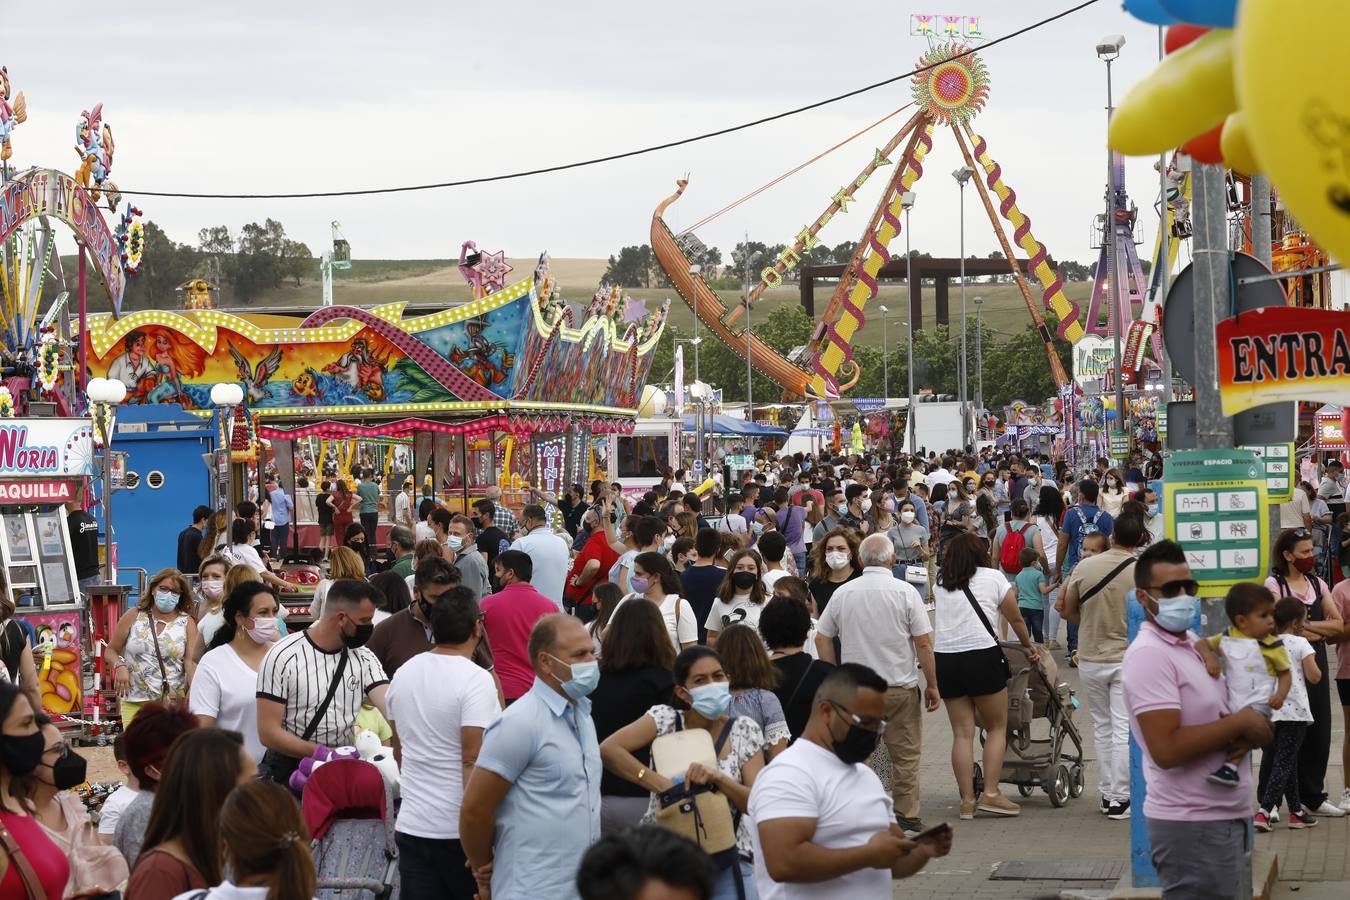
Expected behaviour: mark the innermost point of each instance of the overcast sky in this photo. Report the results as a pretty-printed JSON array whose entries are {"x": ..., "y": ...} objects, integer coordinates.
[{"x": 298, "y": 96}]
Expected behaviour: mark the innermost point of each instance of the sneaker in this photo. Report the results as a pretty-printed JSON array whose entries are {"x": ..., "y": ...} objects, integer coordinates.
[
  {"x": 967, "y": 809},
  {"x": 1227, "y": 776},
  {"x": 1105, "y": 807},
  {"x": 1262, "y": 822},
  {"x": 1119, "y": 810},
  {"x": 1345, "y": 800},
  {"x": 910, "y": 827},
  {"x": 999, "y": 805},
  {"x": 1326, "y": 809},
  {"x": 1301, "y": 819},
  {"x": 1073, "y": 659}
]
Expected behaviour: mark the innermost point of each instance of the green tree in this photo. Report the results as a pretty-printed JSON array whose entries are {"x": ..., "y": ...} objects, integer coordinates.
[
  {"x": 296, "y": 260},
  {"x": 166, "y": 266},
  {"x": 631, "y": 268}
]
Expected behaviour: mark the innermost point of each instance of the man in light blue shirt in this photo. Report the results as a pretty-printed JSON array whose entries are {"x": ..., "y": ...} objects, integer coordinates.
[
  {"x": 532, "y": 805},
  {"x": 282, "y": 507},
  {"x": 546, "y": 550}
]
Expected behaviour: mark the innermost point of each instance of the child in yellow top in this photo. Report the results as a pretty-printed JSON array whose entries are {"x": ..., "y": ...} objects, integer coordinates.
[{"x": 1255, "y": 664}]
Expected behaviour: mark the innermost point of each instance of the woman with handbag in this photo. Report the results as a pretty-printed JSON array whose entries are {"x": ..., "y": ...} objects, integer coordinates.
[
  {"x": 972, "y": 672},
  {"x": 31, "y": 865},
  {"x": 148, "y": 651},
  {"x": 702, "y": 699}
]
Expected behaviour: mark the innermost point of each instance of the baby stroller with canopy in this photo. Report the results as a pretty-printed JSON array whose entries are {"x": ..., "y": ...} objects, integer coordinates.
[
  {"x": 349, "y": 809},
  {"x": 1053, "y": 762}
]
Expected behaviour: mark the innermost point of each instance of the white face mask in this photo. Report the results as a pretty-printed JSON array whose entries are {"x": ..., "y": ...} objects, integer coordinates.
[
  {"x": 907, "y": 516},
  {"x": 836, "y": 560}
]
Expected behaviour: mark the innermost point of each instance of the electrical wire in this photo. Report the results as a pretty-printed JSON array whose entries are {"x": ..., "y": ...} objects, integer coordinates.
[{"x": 561, "y": 167}]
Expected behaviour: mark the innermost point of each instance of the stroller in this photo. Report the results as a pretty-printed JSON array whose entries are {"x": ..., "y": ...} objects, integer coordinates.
[
  {"x": 349, "y": 809},
  {"x": 1035, "y": 692}
]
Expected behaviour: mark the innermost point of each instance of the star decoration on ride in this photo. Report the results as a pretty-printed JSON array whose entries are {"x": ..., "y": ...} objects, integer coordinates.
[
  {"x": 493, "y": 268},
  {"x": 633, "y": 310},
  {"x": 953, "y": 87}
]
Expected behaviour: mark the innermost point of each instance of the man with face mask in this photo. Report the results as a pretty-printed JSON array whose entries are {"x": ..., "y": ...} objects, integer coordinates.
[
  {"x": 311, "y": 684},
  {"x": 822, "y": 824},
  {"x": 538, "y": 774},
  {"x": 546, "y": 550},
  {"x": 461, "y": 548},
  {"x": 509, "y": 616},
  {"x": 1180, "y": 717}
]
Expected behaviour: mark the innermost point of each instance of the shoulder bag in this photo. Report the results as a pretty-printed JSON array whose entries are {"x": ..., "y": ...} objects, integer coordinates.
[
  {"x": 984, "y": 620},
  {"x": 698, "y": 812},
  {"x": 278, "y": 766},
  {"x": 159, "y": 658},
  {"x": 1110, "y": 577}
]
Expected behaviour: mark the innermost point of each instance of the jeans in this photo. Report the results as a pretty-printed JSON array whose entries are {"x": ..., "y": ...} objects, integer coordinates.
[
  {"x": 1072, "y": 643},
  {"x": 724, "y": 885},
  {"x": 281, "y": 541},
  {"x": 1033, "y": 619},
  {"x": 1110, "y": 726},
  {"x": 800, "y": 560},
  {"x": 430, "y": 868},
  {"x": 370, "y": 522},
  {"x": 1279, "y": 763},
  {"x": 1202, "y": 860}
]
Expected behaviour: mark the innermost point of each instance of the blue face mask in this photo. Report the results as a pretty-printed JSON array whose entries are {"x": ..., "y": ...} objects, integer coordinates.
[
  {"x": 1177, "y": 613},
  {"x": 585, "y": 676},
  {"x": 712, "y": 700},
  {"x": 757, "y": 527},
  {"x": 166, "y": 601}
]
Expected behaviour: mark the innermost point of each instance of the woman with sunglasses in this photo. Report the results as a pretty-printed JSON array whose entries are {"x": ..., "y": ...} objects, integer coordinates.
[{"x": 1292, "y": 564}]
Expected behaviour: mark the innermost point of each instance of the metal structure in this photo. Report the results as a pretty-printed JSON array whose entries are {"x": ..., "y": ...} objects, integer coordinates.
[{"x": 337, "y": 256}]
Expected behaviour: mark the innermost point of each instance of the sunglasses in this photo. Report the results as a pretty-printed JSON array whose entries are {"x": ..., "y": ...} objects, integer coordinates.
[
  {"x": 1173, "y": 589},
  {"x": 868, "y": 723}
]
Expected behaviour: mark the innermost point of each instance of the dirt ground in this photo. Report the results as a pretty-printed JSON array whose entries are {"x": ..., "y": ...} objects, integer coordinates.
[{"x": 102, "y": 766}]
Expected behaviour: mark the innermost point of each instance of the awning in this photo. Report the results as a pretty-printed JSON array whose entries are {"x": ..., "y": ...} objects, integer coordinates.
[{"x": 726, "y": 425}]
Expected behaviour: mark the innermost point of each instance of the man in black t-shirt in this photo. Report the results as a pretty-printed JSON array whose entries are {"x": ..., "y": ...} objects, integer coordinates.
[
  {"x": 491, "y": 539},
  {"x": 701, "y": 581},
  {"x": 190, "y": 539},
  {"x": 83, "y": 540}
]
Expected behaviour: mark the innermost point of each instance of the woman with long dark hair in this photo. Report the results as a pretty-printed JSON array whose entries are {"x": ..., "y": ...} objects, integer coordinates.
[
  {"x": 741, "y": 596},
  {"x": 654, "y": 579},
  {"x": 15, "y": 650},
  {"x": 21, "y": 746},
  {"x": 972, "y": 673},
  {"x": 635, "y": 675},
  {"x": 182, "y": 842},
  {"x": 343, "y": 503},
  {"x": 752, "y": 678},
  {"x": 393, "y": 597},
  {"x": 224, "y": 694},
  {"x": 1047, "y": 515}
]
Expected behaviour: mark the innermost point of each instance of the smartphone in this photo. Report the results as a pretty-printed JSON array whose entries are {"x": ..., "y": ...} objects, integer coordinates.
[{"x": 942, "y": 829}]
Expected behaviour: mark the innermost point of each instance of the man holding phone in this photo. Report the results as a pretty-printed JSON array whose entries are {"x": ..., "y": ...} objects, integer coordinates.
[{"x": 823, "y": 826}]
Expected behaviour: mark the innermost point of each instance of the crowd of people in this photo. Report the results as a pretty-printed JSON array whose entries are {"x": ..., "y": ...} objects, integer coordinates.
[{"x": 722, "y": 693}]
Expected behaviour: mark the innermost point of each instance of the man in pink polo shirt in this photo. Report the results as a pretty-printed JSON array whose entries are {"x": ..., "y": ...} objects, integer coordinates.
[
  {"x": 509, "y": 616},
  {"x": 1198, "y": 830}
]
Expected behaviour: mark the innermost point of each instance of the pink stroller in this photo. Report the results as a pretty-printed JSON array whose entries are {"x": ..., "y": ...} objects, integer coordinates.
[{"x": 349, "y": 810}]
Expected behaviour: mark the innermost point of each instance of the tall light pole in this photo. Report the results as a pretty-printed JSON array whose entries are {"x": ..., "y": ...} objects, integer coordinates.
[
  {"x": 1164, "y": 250},
  {"x": 962, "y": 175},
  {"x": 885, "y": 355},
  {"x": 225, "y": 397},
  {"x": 1108, "y": 49},
  {"x": 747, "y": 263},
  {"x": 104, "y": 395},
  {"x": 979, "y": 355},
  {"x": 907, "y": 201},
  {"x": 694, "y": 271}
]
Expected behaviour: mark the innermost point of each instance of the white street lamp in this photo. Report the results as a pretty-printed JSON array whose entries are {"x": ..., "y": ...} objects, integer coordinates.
[
  {"x": 907, "y": 201},
  {"x": 225, "y": 397},
  {"x": 104, "y": 395},
  {"x": 1108, "y": 49},
  {"x": 962, "y": 175}
]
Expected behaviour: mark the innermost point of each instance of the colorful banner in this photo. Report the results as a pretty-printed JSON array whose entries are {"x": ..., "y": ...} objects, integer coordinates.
[
  {"x": 1283, "y": 353},
  {"x": 511, "y": 346},
  {"x": 46, "y": 448},
  {"x": 1215, "y": 507}
]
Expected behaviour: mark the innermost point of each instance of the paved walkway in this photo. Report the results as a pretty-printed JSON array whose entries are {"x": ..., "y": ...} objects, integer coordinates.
[{"x": 1079, "y": 832}]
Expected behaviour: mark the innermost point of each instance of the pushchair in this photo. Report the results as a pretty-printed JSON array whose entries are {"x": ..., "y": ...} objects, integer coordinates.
[
  {"x": 1035, "y": 693},
  {"x": 349, "y": 809}
]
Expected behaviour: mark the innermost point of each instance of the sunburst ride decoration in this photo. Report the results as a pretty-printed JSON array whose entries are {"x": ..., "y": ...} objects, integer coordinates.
[{"x": 955, "y": 89}]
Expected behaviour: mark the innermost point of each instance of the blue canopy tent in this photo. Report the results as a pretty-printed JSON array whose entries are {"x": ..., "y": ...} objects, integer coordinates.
[{"x": 726, "y": 425}]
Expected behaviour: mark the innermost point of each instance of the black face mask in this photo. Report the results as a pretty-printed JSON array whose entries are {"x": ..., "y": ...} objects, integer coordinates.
[
  {"x": 69, "y": 771},
  {"x": 358, "y": 637},
  {"x": 21, "y": 755},
  {"x": 744, "y": 580},
  {"x": 856, "y": 746}
]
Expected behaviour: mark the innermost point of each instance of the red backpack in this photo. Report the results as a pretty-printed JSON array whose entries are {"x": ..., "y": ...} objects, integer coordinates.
[{"x": 1010, "y": 553}]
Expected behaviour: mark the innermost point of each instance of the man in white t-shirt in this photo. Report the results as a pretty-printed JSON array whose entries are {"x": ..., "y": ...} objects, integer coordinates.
[
  {"x": 439, "y": 703},
  {"x": 1297, "y": 513},
  {"x": 821, "y": 822},
  {"x": 111, "y": 811},
  {"x": 881, "y": 623}
]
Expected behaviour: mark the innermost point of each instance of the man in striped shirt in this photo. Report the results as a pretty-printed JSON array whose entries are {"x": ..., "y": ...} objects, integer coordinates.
[{"x": 300, "y": 671}]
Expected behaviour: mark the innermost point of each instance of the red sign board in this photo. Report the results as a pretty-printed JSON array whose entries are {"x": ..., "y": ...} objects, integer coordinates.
[
  {"x": 1284, "y": 353},
  {"x": 37, "y": 491}
]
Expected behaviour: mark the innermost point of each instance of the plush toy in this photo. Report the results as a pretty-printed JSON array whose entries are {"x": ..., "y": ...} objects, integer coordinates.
[
  {"x": 300, "y": 777},
  {"x": 369, "y": 749}
]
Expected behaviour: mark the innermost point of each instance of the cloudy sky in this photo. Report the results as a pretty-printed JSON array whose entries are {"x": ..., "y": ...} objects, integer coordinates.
[{"x": 251, "y": 97}]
